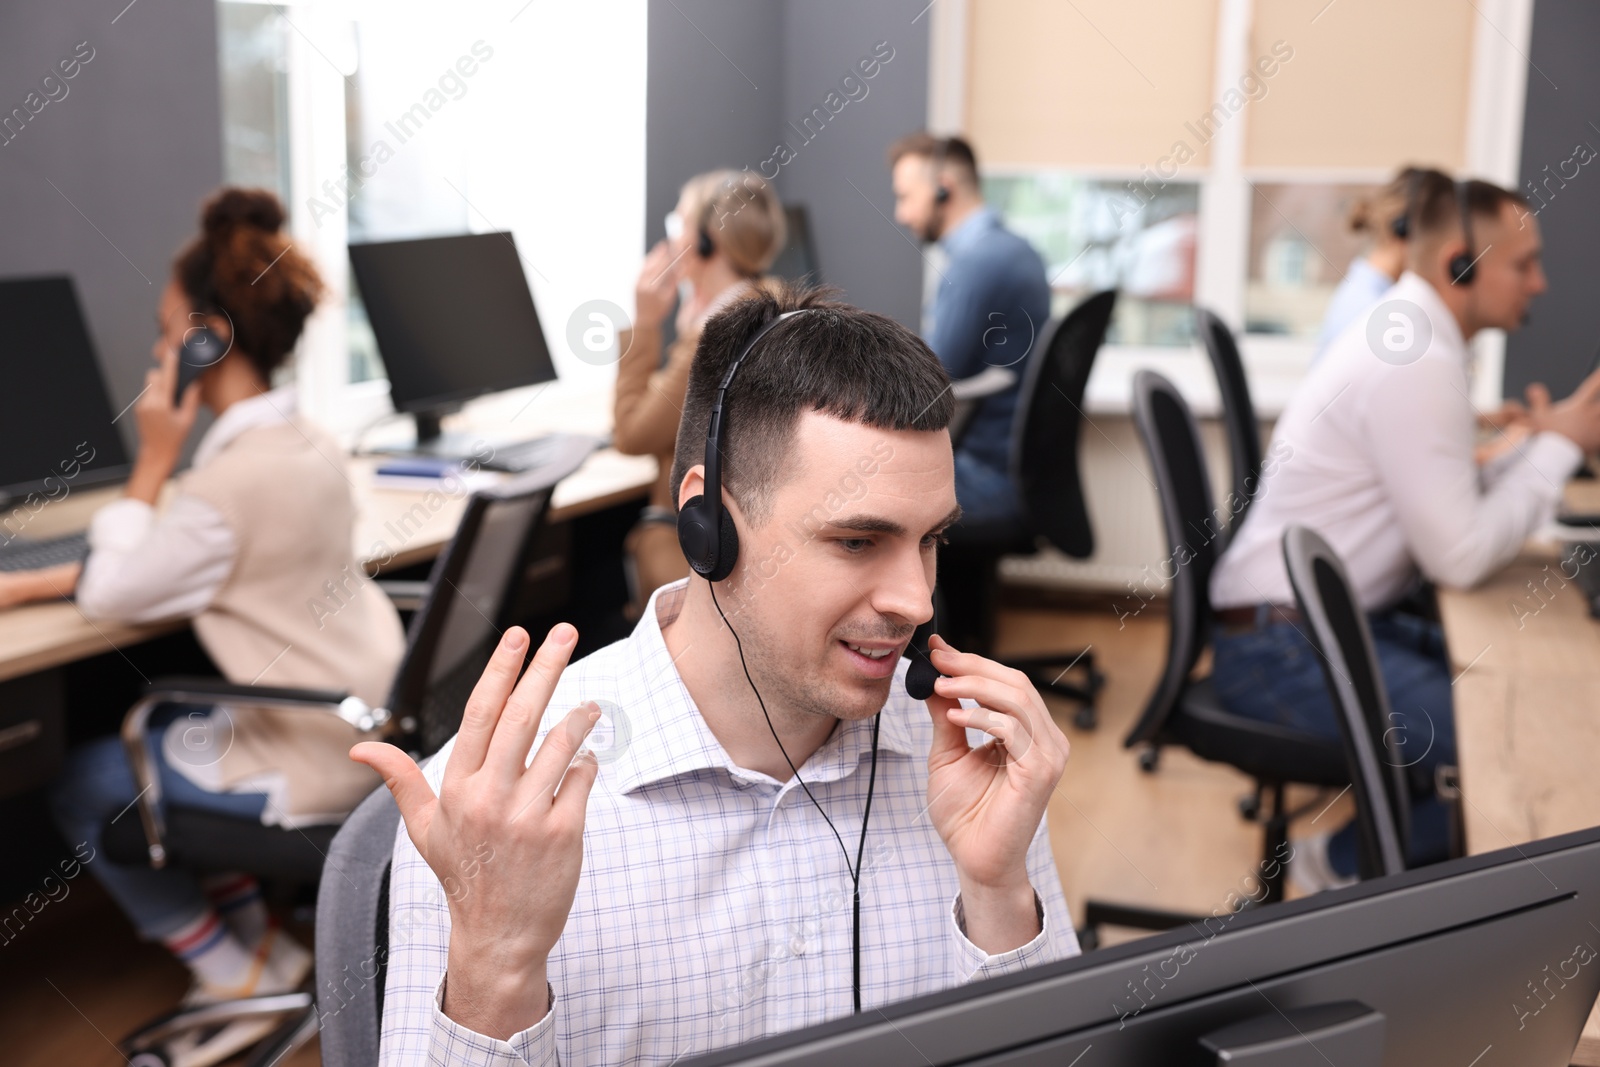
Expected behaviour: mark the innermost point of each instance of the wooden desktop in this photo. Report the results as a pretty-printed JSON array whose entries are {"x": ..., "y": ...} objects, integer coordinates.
[{"x": 1525, "y": 654}]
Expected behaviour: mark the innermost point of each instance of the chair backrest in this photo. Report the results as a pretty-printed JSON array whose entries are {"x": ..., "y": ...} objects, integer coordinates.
[
  {"x": 471, "y": 584},
  {"x": 352, "y": 945},
  {"x": 1238, "y": 413},
  {"x": 1172, "y": 442},
  {"x": 1343, "y": 640},
  {"x": 1044, "y": 446}
]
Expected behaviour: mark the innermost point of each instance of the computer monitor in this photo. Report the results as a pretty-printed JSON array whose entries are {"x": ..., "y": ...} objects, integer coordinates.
[
  {"x": 1480, "y": 961},
  {"x": 798, "y": 260},
  {"x": 453, "y": 319},
  {"x": 57, "y": 428}
]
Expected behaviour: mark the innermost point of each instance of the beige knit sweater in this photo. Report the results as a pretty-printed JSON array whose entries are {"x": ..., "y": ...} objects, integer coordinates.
[{"x": 296, "y": 610}]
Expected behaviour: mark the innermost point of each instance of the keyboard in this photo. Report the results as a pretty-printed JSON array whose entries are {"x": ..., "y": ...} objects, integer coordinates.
[
  {"x": 20, "y": 555},
  {"x": 519, "y": 457}
]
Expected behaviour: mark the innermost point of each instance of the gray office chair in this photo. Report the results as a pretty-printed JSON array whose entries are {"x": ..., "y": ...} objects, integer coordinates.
[
  {"x": 447, "y": 645},
  {"x": 353, "y": 933},
  {"x": 1044, "y": 466},
  {"x": 1238, "y": 414},
  {"x": 1185, "y": 710},
  {"x": 1343, "y": 640}
]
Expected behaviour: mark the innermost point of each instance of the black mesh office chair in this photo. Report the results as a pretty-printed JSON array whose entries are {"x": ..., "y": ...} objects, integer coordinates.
[
  {"x": 1044, "y": 467},
  {"x": 1338, "y": 630},
  {"x": 447, "y": 645},
  {"x": 1238, "y": 413},
  {"x": 1184, "y": 710}
]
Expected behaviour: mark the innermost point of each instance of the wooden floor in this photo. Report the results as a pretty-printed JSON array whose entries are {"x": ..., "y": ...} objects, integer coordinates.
[{"x": 76, "y": 979}]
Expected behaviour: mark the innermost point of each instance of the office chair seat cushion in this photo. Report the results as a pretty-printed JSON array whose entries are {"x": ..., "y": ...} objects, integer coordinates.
[
  {"x": 1263, "y": 750},
  {"x": 204, "y": 841}
]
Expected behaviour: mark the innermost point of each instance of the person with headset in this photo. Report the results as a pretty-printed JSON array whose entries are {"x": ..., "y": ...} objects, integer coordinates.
[
  {"x": 989, "y": 303},
  {"x": 780, "y": 820},
  {"x": 260, "y": 522},
  {"x": 725, "y": 232},
  {"x": 1380, "y": 445},
  {"x": 1385, "y": 216}
]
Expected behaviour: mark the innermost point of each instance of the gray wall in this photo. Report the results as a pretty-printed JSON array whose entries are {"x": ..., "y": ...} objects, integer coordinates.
[
  {"x": 1563, "y": 335},
  {"x": 704, "y": 113},
  {"x": 135, "y": 145}
]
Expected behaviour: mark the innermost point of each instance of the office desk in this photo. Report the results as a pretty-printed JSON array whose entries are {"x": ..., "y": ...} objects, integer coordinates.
[
  {"x": 402, "y": 527},
  {"x": 1527, "y": 706}
]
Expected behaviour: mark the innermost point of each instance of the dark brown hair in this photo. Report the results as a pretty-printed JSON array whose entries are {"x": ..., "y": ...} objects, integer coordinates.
[
  {"x": 242, "y": 268},
  {"x": 1437, "y": 212},
  {"x": 854, "y": 365},
  {"x": 951, "y": 151}
]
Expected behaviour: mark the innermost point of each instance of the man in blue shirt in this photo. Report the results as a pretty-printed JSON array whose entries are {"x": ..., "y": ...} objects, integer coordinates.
[{"x": 988, "y": 310}]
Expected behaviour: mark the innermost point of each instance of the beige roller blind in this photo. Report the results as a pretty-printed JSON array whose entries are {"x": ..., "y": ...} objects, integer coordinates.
[
  {"x": 1087, "y": 82},
  {"x": 1373, "y": 83}
]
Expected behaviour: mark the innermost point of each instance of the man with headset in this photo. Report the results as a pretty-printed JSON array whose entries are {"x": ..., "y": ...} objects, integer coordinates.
[
  {"x": 989, "y": 303},
  {"x": 1380, "y": 438},
  {"x": 699, "y": 879}
]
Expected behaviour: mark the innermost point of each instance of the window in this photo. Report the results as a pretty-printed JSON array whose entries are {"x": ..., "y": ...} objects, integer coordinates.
[
  {"x": 1264, "y": 119},
  {"x": 388, "y": 121},
  {"x": 1300, "y": 247},
  {"x": 253, "y": 57},
  {"x": 1099, "y": 234}
]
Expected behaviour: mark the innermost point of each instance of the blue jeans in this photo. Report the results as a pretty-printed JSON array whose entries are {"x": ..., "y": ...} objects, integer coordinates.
[
  {"x": 97, "y": 784},
  {"x": 1273, "y": 674},
  {"x": 985, "y": 493}
]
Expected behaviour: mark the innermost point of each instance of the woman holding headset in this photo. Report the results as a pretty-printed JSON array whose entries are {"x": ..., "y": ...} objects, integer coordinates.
[
  {"x": 258, "y": 523},
  {"x": 727, "y": 229}
]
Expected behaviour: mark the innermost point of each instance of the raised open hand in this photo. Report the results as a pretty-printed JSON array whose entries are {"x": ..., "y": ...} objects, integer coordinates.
[{"x": 505, "y": 835}]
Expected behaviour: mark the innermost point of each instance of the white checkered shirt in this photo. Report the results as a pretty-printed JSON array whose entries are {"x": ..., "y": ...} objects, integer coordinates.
[{"x": 715, "y": 903}]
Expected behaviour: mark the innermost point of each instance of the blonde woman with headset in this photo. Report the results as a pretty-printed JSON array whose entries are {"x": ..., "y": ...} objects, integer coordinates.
[{"x": 725, "y": 232}]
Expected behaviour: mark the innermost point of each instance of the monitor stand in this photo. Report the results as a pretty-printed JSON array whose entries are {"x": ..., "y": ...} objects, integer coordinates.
[{"x": 434, "y": 443}]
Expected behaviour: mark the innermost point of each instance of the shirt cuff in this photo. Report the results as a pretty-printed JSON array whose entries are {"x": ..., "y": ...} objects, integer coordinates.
[
  {"x": 973, "y": 964},
  {"x": 456, "y": 1046},
  {"x": 120, "y": 525},
  {"x": 1554, "y": 456}
]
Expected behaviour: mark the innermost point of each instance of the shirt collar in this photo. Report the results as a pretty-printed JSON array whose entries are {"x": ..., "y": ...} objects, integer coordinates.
[
  {"x": 673, "y": 738},
  {"x": 970, "y": 228},
  {"x": 1446, "y": 331},
  {"x": 265, "y": 409}
]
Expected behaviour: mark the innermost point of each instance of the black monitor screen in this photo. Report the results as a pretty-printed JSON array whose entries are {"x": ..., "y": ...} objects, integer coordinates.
[
  {"x": 56, "y": 429},
  {"x": 452, "y": 316}
]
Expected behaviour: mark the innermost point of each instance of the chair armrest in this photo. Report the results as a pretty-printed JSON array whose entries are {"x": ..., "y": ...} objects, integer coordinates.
[
  {"x": 987, "y": 382},
  {"x": 405, "y": 595},
  {"x": 221, "y": 687},
  {"x": 969, "y": 394},
  {"x": 240, "y": 699}
]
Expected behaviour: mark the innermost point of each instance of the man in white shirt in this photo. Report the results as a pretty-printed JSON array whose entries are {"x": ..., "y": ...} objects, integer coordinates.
[
  {"x": 1378, "y": 459},
  {"x": 685, "y": 888}
]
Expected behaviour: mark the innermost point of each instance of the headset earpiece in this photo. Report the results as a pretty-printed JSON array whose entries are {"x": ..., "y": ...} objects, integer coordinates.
[
  {"x": 712, "y": 559},
  {"x": 706, "y": 531},
  {"x": 941, "y": 195},
  {"x": 703, "y": 245}
]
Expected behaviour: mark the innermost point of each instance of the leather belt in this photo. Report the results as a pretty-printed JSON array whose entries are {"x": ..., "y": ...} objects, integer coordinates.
[{"x": 1255, "y": 616}]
